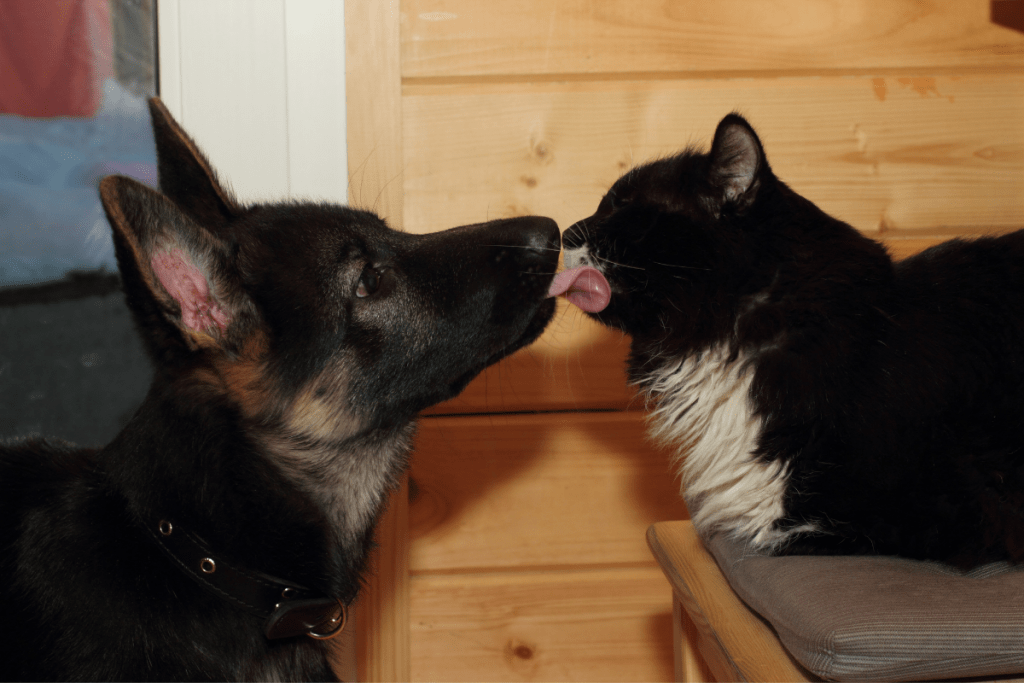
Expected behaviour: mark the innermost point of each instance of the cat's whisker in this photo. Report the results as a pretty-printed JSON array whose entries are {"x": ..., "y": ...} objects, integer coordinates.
[
  {"x": 616, "y": 263},
  {"x": 676, "y": 265},
  {"x": 519, "y": 246}
]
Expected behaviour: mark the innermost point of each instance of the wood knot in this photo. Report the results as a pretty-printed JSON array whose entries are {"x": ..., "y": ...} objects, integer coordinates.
[
  {"x": 540, "y": 152},
  {"x": 523, "y": 652},
  {"x": 518, "y": 651}
]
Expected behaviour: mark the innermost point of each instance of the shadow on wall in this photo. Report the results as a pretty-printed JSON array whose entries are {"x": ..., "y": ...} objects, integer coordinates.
[{"x": 1008, "y": 14}]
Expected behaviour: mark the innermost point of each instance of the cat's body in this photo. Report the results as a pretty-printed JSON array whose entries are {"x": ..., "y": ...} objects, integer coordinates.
[{"x": 822, "y": 398}]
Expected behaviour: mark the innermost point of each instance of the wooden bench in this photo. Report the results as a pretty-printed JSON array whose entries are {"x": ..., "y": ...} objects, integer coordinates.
[
  {"x": 715, "y": 632},
  {"x": 913, "y": 620}
]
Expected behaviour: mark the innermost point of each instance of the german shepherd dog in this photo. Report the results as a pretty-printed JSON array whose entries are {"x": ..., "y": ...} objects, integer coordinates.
[{"x": 223, "y": 532}]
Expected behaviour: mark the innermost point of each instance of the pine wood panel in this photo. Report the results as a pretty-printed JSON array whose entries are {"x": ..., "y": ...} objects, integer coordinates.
[
  {"x": 597, "y": 625},
  {"x": 374, "y": 108},
  {"x": 528, "y": 491},
  {"x": 577, "y": 364},
  {"x": 902, "y": 248},
  {"x": 907, "y": 154},
  {"x": 465, "y": 38},
  {"x": 374, "y": 120},
  {"x": 690, "y": 665}
]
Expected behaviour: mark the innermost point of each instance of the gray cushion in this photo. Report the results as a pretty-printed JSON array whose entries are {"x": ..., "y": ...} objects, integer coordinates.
[{"x": 884, "y": 618}]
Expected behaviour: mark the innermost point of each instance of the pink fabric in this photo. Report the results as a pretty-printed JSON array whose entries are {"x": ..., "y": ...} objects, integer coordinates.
[{"x": 54, "y": 55}]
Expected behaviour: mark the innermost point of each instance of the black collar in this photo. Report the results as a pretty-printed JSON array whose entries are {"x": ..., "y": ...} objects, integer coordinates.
[{"x": 287, "y": 608}]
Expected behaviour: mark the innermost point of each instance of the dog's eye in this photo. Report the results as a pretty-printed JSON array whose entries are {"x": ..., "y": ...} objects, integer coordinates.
[{"x": 369, "y": 281}]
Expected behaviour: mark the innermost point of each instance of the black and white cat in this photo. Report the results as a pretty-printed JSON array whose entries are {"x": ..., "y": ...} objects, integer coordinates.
[{"x": 821, "y": 397}]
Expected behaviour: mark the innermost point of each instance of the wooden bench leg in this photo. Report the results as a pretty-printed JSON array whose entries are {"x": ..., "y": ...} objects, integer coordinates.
[{"x": 690, "y": 666}]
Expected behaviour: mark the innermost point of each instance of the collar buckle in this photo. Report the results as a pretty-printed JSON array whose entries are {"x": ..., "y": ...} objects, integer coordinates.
[{"x": 319, "y": 618}]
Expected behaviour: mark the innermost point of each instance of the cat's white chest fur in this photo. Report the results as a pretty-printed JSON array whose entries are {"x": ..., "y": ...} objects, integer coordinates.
[{"x": 702, "y": 411}]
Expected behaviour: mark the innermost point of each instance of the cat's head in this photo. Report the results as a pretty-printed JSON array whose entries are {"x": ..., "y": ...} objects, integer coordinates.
[
  {"x": 681, "y": 240},
  {"x": 704, "y": 250}
]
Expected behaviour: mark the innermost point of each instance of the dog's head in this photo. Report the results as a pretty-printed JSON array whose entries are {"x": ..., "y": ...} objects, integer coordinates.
[{"x": 313, "y": 317}]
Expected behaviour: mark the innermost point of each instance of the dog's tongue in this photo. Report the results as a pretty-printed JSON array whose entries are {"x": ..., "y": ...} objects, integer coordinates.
[{"x": 584, "y": 287}]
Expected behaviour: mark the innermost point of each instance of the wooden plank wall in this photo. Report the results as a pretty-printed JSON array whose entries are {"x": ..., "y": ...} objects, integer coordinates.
[
  {"x": 529, "y": 495},
  {"x": 902, "y": 117},
  {"x": 525, "y": 559},
  {"x": 374, "y": 128}
]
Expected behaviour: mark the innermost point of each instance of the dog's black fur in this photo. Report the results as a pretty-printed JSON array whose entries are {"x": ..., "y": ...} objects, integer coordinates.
[
  {"x": 885, "y": 400},
  {"x": 280, "y": 415}
]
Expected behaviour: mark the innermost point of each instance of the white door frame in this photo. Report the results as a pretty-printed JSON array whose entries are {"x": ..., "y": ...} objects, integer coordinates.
[{"x": 260, "y": 85}]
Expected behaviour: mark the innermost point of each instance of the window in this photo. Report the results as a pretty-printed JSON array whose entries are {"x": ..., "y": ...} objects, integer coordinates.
[{"x": 74, "y": 76}]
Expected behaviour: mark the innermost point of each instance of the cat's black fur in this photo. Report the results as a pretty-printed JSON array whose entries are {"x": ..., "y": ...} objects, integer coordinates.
[{"x": 887, "y": 398}]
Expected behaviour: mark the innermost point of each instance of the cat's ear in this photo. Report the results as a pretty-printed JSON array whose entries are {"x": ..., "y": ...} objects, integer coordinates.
[
  {"x": 176, "y": 274},
  {"x": 184, "y": 174},
  {"x": 737, "y": 162}
]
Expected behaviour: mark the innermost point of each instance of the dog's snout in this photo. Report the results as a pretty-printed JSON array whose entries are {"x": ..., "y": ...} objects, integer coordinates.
[
  {"x": 538, "y": 237},
  {"x": 543, "y": 235},
  {"x": 525, "y": 240}
]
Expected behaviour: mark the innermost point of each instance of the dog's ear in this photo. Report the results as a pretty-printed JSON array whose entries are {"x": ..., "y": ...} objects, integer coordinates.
[
  {"x": 737, "y": 162},
  {"x": 185, "y": 175},
  {"x": 177, "y": 276}
]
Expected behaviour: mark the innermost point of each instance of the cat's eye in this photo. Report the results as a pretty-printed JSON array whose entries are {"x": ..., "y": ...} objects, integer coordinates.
[{"x": 369, "y": 282}]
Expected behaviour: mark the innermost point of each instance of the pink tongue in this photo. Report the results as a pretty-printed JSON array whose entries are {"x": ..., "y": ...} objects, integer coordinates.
[{"x": 584, "y": 287}]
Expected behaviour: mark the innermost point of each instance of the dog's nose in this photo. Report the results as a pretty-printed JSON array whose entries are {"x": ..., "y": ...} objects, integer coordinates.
[
  {"x": 523, "y": 242},
  {"x": 542, "y": 235},
  {"x": 538, "y": 235}
]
